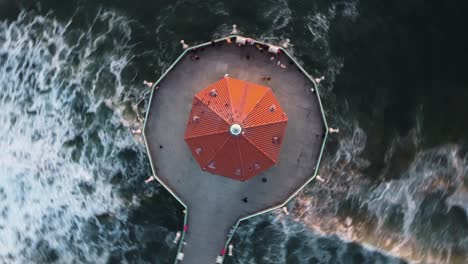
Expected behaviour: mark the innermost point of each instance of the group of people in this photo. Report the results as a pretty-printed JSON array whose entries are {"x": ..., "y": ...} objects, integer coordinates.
[
  {"x": 240, "y": 41},
  {"x": 278, "y": 63}
]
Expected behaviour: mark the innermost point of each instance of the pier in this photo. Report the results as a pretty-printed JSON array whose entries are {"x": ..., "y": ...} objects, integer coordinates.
[{"x": 214, "y": 205}]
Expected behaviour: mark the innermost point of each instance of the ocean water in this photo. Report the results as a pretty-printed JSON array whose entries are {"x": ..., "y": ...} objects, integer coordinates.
[{"x": 72, "y": 176}]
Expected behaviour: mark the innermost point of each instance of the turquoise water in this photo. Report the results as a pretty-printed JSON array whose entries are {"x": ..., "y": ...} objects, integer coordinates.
[{"x": 72, "y": 175}]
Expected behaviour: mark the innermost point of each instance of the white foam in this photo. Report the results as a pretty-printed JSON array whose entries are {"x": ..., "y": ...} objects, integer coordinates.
[
  {"x": 272, "y": 244},
  {"x": 40, "y": 177},
  {"x": 432, "y": 172}
]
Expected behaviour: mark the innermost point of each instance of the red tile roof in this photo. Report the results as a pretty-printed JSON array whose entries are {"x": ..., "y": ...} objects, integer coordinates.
[{"x": 219, "y": 150}]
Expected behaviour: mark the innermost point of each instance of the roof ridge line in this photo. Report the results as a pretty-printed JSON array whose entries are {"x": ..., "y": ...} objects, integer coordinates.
[
  {"x": 214, "y": 155},
  {"x": 240, "y": 157},
  {"x": 266, "y": 124},
  {"x": 261, "y": 151},
  {"x": 216, "y": 84},
  {"x": 268, "y": 90},
  {"x": 211, "y": 109},
  {"x": 230, "y": 99},
  {"x": 204, "y": 135}
]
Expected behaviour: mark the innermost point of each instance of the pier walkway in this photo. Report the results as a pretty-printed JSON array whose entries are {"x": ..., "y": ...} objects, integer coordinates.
[{"x": 215, "y": 203}]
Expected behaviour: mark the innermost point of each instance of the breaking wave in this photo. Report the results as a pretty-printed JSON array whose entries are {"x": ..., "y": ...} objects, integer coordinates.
[
  {"x": 66, "y": 152},
  {"x": 419, "y": 215},
  {"x": 279, "y": 239}
]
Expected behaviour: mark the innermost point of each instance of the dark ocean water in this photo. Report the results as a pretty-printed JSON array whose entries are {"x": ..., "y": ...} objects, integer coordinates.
[{"x": 71, "y": 174}]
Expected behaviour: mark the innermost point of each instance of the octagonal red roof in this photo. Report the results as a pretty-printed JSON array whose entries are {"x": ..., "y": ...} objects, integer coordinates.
[{"x": 235, "y": 128}]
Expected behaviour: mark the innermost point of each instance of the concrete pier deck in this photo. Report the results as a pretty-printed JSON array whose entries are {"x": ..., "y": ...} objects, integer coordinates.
[{"x": 215, "y": 203}]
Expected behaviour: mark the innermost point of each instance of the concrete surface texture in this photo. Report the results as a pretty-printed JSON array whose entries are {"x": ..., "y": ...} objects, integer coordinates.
[{"x": 215, "y": 203}]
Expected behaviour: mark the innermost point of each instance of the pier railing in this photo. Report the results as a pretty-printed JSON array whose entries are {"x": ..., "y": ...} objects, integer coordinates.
[{"x": 173, "y": 193}]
